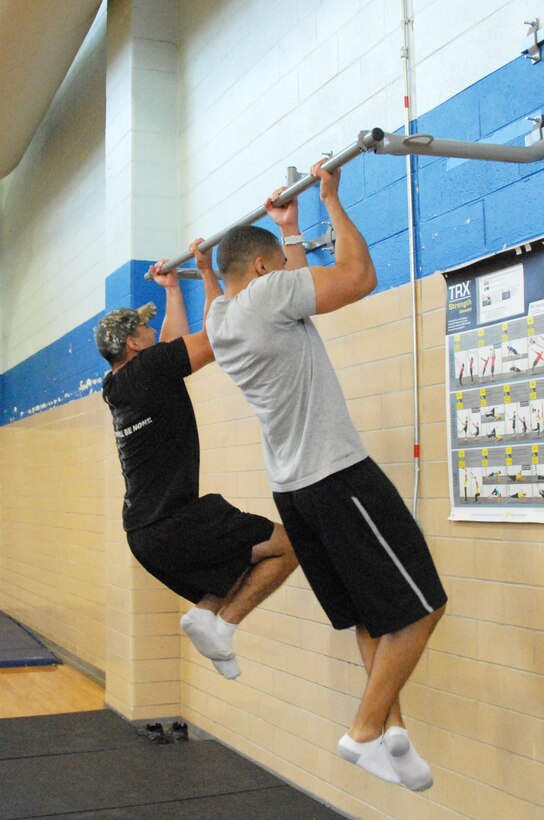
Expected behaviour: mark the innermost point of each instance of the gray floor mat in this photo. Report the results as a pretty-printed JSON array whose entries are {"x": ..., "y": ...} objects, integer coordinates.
[{"x": 94, "y": 765}]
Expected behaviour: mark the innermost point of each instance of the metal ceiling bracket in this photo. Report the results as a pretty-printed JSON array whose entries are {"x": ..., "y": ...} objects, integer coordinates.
[
  {"x": 532, "y": 42},
  {"x": 326, "y": 240},
  {"x": 537, "y": 134}
]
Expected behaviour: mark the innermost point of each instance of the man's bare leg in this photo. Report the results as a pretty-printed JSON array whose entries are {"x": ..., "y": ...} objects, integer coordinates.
[
  {"x": 211, "y": 624},
  {"x": 272, "y": 562},
  {"x": 395, "y": 658},
  {"x": 367, "y": 648},
  {"x": 215, "y": 604},
  {"x": 390, "y": 661}
]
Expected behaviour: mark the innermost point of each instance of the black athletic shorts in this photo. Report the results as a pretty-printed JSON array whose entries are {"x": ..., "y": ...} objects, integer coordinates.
[
  {"x": 361, "y": 551},
  {"x": 203, "y": 549}
]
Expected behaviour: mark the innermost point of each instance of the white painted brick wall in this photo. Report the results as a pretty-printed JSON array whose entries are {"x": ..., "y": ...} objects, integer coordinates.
[
  {"x": 457, "y": 43},
  {"x": 259, "y": 86},
  {"x": 339, "y": 71},
  {"x": 53, "y": 218}
]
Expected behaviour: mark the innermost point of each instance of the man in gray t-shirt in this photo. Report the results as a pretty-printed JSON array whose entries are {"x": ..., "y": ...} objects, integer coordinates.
[
  {"x": 358, "y": 545},
  {"x": 279, "y": 361}
]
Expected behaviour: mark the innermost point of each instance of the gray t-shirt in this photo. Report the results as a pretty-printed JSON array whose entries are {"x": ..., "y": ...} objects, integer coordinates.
[{"x": 265, "y": 340}]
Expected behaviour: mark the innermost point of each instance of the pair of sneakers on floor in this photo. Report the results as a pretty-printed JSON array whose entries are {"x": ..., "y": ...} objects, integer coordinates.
[{"x": 391, "y": 757}]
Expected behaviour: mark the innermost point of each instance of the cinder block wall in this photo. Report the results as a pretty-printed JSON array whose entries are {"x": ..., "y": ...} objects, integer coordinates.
[
  {"x": 183, "y": 116},
  {"x": 52, "y": 538},
  {"x": 474, "y": 702}
]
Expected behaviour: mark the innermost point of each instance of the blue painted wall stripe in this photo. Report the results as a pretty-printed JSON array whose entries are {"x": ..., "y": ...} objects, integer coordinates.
[{"x": 464, "y": 210}]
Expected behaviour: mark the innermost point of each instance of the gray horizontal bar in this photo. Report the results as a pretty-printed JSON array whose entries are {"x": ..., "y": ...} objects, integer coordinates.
[
  {"x": 365, "y": 142},
  {"x": 381, "y": 143},
  {"x": 426, "y": 145}
]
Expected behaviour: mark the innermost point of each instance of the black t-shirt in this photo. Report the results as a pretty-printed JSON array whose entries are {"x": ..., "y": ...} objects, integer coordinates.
[{"x": 156, "y": 433}]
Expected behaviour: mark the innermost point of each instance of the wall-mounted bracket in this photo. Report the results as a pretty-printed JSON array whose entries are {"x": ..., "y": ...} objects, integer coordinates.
[
  {"x": 326, "y": 240},
  {"x": 537, "y": 134},
  {"x": 533, "y": 40},
  {"x": 293, "y": 175}
]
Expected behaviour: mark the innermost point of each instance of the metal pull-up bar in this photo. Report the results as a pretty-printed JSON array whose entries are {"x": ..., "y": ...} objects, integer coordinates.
[
  {"x": 427, "y": 145},
  {"x": 379, "y": 142},
  {"x": 365, "y": 141}
]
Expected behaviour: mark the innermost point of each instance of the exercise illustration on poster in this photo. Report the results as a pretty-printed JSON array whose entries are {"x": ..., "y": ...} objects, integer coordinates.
[{"x": 495, "y": 387}]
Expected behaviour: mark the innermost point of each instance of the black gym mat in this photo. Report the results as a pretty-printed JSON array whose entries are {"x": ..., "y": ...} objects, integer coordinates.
[
  {"x": 63, "y": 734},
  {"x": 95, "y": 765},
  {"x": 18, "y": 647}
]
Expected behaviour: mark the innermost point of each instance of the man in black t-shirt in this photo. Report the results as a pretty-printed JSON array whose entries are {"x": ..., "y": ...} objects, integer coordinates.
[{"x": 204, "y": 549}]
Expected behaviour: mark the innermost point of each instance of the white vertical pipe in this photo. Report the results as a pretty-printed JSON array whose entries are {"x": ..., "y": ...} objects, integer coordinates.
[{"x": 406, "y": 57}]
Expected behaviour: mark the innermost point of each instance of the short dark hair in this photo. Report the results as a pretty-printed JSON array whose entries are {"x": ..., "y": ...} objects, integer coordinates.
[
  {"x": 116, "y": 358},
  {"x": 240, "y": 245}
]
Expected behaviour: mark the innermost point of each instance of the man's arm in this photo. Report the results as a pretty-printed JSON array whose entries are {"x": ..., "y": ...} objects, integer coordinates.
[
  {"x": 198, "y": 345},
  {"x": 286, "y": 218},
  {"x": 175, "y": 322},
  {"x": 175, "y": 318},
  {"x": 212, "y": 288},
  {"x": 353, "y": 275}
]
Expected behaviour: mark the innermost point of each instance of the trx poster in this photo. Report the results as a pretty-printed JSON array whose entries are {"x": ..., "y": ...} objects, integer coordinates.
[{"x": 495, "y": 387}]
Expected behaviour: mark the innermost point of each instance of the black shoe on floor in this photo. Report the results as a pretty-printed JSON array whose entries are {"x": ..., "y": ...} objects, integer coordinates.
[
  {"x": 154, "y": 732},
  {"x": 178, "y": 732}
]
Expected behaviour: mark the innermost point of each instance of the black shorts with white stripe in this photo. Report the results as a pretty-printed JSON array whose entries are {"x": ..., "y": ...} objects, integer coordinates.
[{"x": 361, "y": 550}]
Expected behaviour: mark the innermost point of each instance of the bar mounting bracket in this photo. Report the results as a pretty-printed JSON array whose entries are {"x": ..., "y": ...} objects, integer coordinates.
[
  {"x": 293, "y": 175},
  {"x": 532, "y": 42},
  {"x": 326, "y": 240},
  {"x": 537, "y": 134}
]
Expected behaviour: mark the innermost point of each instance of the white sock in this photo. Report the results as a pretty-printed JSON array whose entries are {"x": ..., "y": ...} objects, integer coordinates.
[
  {"x": 414, "y": 772},
  {"x": 200, "y": 626},
  {"x": 370, "y": 756},
  {"x": 225, "y": 629},
  {"x": 229, "y": 669}
]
